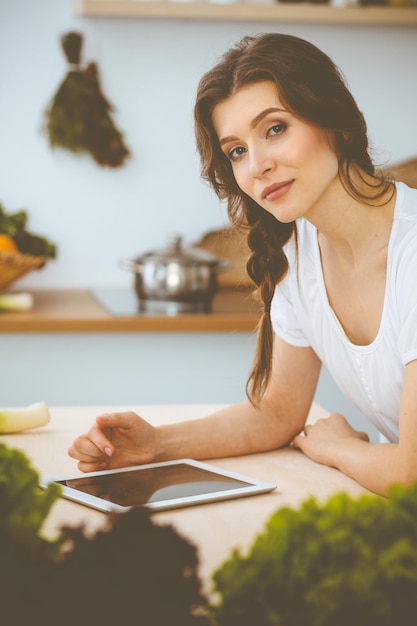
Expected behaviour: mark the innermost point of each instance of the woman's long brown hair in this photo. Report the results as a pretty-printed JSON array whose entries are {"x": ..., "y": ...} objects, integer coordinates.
[{"x": 311, "y": 87}]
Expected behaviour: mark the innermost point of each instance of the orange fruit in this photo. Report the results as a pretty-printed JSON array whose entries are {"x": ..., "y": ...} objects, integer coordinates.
[{"x": 7, "y": 244}]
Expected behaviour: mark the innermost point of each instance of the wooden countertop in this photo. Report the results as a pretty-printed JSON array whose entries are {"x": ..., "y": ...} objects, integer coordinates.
[
  {"x": 67, "y": 311},
  {"x": 217, "y": 528}
]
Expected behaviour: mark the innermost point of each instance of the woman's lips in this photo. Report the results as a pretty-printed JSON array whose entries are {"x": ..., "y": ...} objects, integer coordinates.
[{"x": 277, "y": 190}]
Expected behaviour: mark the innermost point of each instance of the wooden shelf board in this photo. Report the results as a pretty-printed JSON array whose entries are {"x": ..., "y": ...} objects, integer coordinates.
[
  {"x": 240, "y": 11},
  {"x": 67, "y": 311}
]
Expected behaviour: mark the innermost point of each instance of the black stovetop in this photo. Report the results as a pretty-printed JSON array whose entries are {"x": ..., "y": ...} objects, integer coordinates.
[
  {"x": 118, "y": 301},
  {"x": 123, "y": 302}
]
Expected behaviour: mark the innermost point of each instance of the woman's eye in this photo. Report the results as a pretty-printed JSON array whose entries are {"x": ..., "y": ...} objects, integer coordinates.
[
  {"x": 276, "y": 129},
  {"x": 235, "y": 153}
]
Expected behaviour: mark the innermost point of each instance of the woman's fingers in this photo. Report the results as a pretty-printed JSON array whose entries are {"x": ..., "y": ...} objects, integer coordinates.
[
  {"x": 115, "y": 440},
  {"x": 93, "y": 467},
  {"x": 83, "y": 449},
  {"x": 125, "y": 420},
  {"x": 91, "y": 446}
]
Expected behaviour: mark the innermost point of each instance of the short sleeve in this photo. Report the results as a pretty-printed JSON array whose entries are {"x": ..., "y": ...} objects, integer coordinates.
[
  {"x": 284, "y": 318},
  {"x": 407, "y": 339},
  {"x": 404, "y": 286}
]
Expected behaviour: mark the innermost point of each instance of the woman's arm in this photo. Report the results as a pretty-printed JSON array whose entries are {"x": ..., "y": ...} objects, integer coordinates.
[
  {"x": 119, "y": 439},
  {"x": 375, "y": 466}
]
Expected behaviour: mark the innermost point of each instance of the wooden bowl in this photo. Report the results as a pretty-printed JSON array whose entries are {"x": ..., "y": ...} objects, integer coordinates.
[{"x": 14, "y": 266}]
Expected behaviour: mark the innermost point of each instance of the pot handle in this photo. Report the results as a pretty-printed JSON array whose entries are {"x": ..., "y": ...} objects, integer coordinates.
[{"x": 127, "y": 264}]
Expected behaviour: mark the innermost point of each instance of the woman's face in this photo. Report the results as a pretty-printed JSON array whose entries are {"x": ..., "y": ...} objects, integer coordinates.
[{"x": 283, "y": 163}]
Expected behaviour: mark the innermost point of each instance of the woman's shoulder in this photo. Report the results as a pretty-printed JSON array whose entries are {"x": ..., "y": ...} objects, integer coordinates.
[
  {"x": 406, "y": 203},
  {"x": 403, "y": 243}
]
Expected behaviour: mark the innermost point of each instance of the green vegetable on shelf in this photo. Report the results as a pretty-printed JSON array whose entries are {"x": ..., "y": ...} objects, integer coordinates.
[
  {"x": 15, "y": 226},
  {"x": 16, "y": 301}
]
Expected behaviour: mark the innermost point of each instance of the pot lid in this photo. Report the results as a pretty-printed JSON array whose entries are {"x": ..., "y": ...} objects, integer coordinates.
[{"x": 175, "y": 252}]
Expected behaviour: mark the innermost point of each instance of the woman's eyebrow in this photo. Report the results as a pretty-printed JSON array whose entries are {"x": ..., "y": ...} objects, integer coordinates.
[
  {"x": 258, "y": 118},
  {"x": 227, "y": 139},
  {"x": 253, "y": 124}
]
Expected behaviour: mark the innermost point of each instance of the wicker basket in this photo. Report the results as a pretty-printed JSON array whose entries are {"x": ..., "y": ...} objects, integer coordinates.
[{"x": 14, "y": 266}]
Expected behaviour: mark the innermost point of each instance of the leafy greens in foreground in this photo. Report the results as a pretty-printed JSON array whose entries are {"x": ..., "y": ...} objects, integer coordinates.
[
  {"x": 133, "y": 572},
  {"x": 349, "y": 561}
]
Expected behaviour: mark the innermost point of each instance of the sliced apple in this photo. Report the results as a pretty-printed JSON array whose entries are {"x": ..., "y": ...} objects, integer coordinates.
[{"x": 14, "y": 420}]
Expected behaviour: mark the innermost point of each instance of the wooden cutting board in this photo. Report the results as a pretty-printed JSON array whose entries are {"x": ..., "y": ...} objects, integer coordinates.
[
  {"x": 405, "y": 171},
  {"x": 230, "y": 245}
]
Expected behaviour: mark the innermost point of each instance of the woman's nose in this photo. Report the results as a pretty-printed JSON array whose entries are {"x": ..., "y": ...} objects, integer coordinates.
[{"x": 260, "y": 163}]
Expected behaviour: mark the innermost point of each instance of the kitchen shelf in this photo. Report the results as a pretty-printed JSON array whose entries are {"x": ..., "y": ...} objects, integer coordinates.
[
  {"x": 246, "y": 11},
  {"x": 69, "y": 311}
]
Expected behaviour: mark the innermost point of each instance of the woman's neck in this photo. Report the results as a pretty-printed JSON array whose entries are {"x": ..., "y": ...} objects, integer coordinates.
[{"x": 351, "y": 229}]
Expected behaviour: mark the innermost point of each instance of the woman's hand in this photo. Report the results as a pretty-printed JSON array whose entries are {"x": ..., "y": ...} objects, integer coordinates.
[
  {"x": 115, "y": 440},
  {"x": 321, "y": 441}
]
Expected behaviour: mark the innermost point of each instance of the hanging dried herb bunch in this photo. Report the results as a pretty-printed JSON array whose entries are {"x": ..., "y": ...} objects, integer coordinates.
[{"x": 79, "y": 117}]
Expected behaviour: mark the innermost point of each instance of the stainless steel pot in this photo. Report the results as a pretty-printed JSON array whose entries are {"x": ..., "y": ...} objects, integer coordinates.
[{"x": 176, "y": 279}]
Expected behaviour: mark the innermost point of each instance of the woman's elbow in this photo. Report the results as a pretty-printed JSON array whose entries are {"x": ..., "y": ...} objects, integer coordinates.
[{"x": 406, "y": 473}]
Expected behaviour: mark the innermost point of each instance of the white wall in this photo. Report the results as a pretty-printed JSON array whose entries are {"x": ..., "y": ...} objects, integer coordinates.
[
  {"x": 149, "y": 71},
  {"x": 142, "y": 368}
]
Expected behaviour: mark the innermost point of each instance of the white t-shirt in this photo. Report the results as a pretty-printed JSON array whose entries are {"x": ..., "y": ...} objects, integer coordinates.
[{"x": 371, "y": 376}]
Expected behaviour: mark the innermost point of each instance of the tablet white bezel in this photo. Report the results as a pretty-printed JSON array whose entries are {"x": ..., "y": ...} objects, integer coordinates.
[{"x": 253, "y": 487}]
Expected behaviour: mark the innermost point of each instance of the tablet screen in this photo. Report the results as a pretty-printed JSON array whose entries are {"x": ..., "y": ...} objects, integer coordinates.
[
  {"x": 158, "y": 485},
  {"x": 141, "y": 486}
]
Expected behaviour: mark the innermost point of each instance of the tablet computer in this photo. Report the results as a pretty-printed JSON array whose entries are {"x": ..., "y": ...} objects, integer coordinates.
[{"x": 158, "y": 486}]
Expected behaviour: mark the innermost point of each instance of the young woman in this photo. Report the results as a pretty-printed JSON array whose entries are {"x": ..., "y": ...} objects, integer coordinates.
[{"x": 334, "y": 252}]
